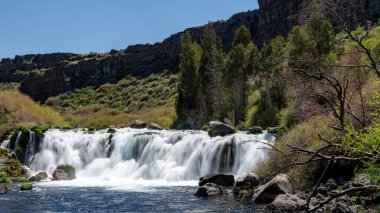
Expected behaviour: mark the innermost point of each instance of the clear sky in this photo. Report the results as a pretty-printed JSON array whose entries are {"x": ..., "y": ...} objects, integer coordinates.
[{"x": 82, "y": 26}]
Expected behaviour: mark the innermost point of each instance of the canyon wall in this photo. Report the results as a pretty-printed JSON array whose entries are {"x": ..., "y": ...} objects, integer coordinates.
[{"x": 45, "y": 75}]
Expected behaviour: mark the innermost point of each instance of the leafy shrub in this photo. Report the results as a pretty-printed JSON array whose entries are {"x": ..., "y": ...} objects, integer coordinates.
[
  {"x": 3, "y": 177},
  {"x": 255, "y": 130},
  {"x": 26, "y": 186},
  {"x": 206, "y": 128},
  {"x": 304, "y": 135}
]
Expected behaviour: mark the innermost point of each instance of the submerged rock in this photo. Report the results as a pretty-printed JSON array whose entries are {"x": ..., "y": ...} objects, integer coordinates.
[
  {"x": 286, "y": 203},
  {"x": 281, "y": 184},
  {"x": 64, "y": 172},
  {"x": 40, "y": 176},
  {"x": 218, "y": 179},
  {"x": 139, "y": 125},
  {"x": 210, "y": 189},
  {"x": 220, "y": 129}
]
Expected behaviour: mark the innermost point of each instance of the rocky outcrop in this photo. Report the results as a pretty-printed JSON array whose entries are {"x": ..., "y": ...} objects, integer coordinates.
[
  {"x": 39, "y": 177},
  {"x": 218, "y": 179},
  {"x": 210, "y": 189},
  {"x": 139, "y": 125},
  {"x": 64, "y": 172},
  {"x": 45, "y": 75},
  {"x": 247, "y": 181},
  {"x": 281, "y": 184},
  {"x": 286, "y": 203},
  {"x": 155, "y": 126},
  {"x": 219, "y": 129}
]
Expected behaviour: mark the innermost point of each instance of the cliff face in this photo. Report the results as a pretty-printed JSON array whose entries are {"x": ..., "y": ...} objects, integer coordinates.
[{"x": 45, "y": 75}]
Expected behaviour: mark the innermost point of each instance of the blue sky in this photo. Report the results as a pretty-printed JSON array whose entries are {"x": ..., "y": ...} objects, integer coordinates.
[{"x": 82, "y": 26}]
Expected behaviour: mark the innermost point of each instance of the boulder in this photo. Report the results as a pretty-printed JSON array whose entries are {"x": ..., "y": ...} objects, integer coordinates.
[
  {"x": 64, "y": 172},
  {"x": 362, "y": 180},
  {"x": 139, "y": 125},
  {"x": 331, "y": 184},
  {"x": 281, "y": 184},
  {"x": 218, "y": 179},
  {"x": 220, "y": 129},
  {"x": 155, "y": 126},
  {"x": 286, "y": 203},
  {"x": 341, "y": 207},
  {"x": 248, "y": 181},
  {"x": 210, "y": 189},
  {"x": 3, "y": 189},
  {"x": 40, "y": 176}
]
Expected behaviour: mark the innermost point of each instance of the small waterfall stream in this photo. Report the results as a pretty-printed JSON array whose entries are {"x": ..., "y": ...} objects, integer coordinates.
[{"x": 167, "y": 155}]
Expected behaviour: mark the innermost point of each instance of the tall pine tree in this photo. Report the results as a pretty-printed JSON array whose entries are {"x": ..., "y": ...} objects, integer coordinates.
[
  {"x": 188, "y": 88},
  {"x": 211, "y": 73},
  {"x": 239, "y": 65}
]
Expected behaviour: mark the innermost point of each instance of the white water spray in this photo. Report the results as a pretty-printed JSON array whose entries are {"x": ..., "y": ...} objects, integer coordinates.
[{"x": 132, "y": 154}]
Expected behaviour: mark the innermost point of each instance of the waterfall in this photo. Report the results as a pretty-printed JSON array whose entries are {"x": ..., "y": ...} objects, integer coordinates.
[
  {"x": 146, "y": 154},
  {"x": 30, "y": 148}
]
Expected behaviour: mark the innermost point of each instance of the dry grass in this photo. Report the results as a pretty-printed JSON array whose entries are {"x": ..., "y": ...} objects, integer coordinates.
[
  {"x": 100, "y": 116},
  {"x": 19, "y": 109},
  {"x": 303, "y": 135}
]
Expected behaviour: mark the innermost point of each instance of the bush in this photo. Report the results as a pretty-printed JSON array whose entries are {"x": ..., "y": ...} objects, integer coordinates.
[
  {"x": 304, "y": 135},
  {"x": 3, "y": 177},
  {"x": 70, "y": 170},
  {"x": 255, "y": 130},
  {"x": 26, "y": 186},
  {"x": 206, "y": 128}
]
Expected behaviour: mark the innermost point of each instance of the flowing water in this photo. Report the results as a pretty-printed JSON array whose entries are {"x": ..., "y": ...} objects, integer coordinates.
[{"x": 144, "y": 170}]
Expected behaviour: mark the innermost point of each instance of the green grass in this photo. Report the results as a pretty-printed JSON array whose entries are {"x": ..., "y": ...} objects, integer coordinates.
[
  {"x": 26, "y": 186},
  {"x": 128, "y": 95}
]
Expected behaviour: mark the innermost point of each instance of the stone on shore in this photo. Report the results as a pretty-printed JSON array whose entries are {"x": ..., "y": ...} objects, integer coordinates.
[
  {"x": 281, "y": 184},
  {"x": 218, "y": 179}
]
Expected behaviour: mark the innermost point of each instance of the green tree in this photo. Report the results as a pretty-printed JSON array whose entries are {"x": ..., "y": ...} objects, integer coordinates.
[
  {"x": 239, "y": 64},
  {"x": 211, "y": 72},
  {"x": 190, "y": 61}
]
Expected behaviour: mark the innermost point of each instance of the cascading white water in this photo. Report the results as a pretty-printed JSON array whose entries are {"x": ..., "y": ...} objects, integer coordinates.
[{"x": 146, "y": 154}]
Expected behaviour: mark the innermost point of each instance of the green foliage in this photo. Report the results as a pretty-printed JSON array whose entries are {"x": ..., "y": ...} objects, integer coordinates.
[
  {"x": 303, "y": 135},
  {"x": 373, "y": 170},
  {"x": 3, "y": 177},
  {"x": 206, "y": 128},
  {"x": 39, "y": 130},
  {"x": 128, "y": 95},
  {"x": 26, "y": 186},
  {"x": 70, "y": 170},
  {"x": 255, "y": 130},
  {"x": 190, "y": 62}
]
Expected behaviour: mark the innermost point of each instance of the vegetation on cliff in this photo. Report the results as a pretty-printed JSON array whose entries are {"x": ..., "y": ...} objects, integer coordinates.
[
  {"x": 320, "y": 86},
  {"x": 18, "y": 109}
]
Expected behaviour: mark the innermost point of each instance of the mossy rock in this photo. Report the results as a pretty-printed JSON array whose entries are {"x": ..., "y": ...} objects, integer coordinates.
[
  {"x": 40, "y": 176},
  {"x": 255, "y": 130},
  {"x": 26, "y": 186},
  {"x": 64, "y": 172}
]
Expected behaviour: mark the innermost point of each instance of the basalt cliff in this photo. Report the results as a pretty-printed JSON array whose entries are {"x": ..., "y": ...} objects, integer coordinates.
[{"x": 45, "y": 75}]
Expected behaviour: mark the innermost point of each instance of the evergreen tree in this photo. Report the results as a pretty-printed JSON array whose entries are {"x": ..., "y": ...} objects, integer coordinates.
[
  {"x": 190, "y": 60},
  {"x": 239, "y": 65},
  {"x": 211, "y": 72}
]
